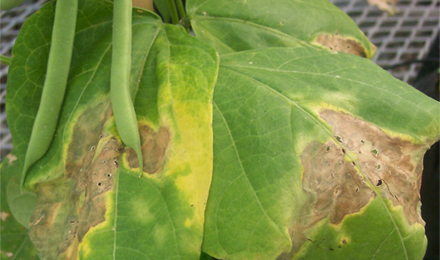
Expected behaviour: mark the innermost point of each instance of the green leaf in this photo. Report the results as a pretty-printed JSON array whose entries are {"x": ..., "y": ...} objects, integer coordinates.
[
  {"x": 163, "y": 6},
  {"x": 22, "y": 204},
  {"x": 91, "y": 203},
  {"x": 316, "y": 156},
  {"x": 15, "y": 242},
  {"x": 205, "y": 256},
  {"x": 250, "y": 24}
]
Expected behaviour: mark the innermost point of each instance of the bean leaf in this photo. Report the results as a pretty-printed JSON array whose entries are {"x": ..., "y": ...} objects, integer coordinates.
[
  {"x": 239, "y": 25},
  {"x": 314, "y": 158},
  {"x": 91, "y": 203},
  {"x": 14, "y": 219}
]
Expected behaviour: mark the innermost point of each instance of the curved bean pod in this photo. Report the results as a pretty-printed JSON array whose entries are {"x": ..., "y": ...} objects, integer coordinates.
[
  {"x": 122, "y": 104},
  {"x": 54, "y": 88}
]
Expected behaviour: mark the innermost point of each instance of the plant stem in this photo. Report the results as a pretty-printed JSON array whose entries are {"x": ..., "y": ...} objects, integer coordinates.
[
  {"x": 180, "y": 9},
  {"x": 58, "y": 67},
  {"x": 173, "y": 11},
  {"x": 122, "y": 103},
  {"x": 5, "y": 60}
]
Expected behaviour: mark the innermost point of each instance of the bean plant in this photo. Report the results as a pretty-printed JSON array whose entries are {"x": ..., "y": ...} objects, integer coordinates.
[{"x": 240, "y": 129}]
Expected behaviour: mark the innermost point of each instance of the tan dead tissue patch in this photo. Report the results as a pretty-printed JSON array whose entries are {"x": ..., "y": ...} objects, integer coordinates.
[
  {"x": 391, "y": 164},
  {"x": 385, "y": 5},
  {"x": 11, "y": 158},
  {"x": 338, "y": 187},
  {"x": 154, "y": 147},
  {"x": 98, "y": 179},
  {"x": 334, "y": 188},
  {"x": 336, "y": 42},
  {"x": 339, "y": 175},
  {"x": 8, "y": 254},
  {"x": 4, "y": 216},
  {"x": 69, "y": 206}
]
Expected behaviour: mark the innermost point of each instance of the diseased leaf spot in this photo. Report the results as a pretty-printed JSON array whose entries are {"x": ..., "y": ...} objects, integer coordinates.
[
  {"x": 154, "y": 148},
  {"x": 340, "y": 43},
  {"x": 8, "y": 254},
  {"x": 11, "y": 158},
  {"x": 4, "y": 215},
  {"x": 400, "y": 163},
  {"x": 334, "y": 196},
  {"x": 70, "y": 205}
]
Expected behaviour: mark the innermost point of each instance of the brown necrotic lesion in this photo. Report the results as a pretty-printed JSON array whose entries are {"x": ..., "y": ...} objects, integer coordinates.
[
  {"x": 70, "y": 205},
  {"x": 340, "y": 43},
  {"x": 154, "y": 148},
  {"x": 342, "y": 183},
  {"x": 338, "y": 188}
]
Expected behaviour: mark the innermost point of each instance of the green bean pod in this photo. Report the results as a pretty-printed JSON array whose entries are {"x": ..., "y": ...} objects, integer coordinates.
[
  {"x": 122, "y": 104},
  {"x": 54, "y": 87}
]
